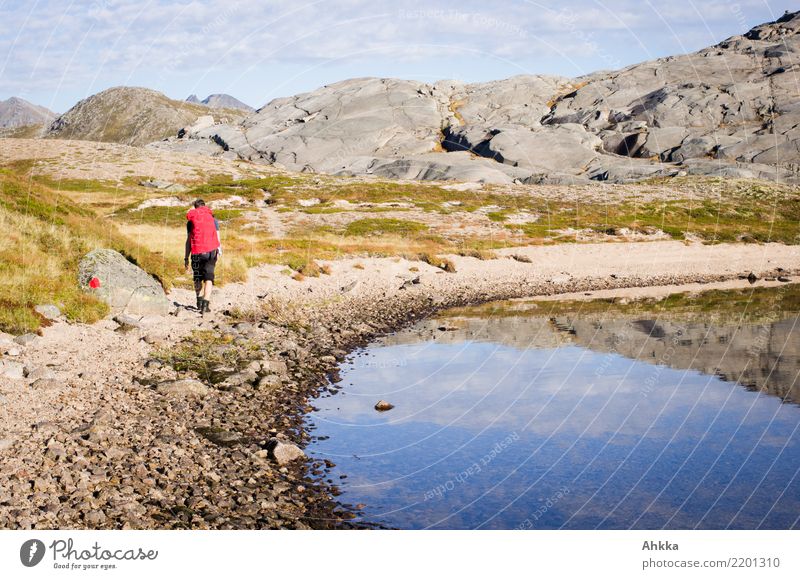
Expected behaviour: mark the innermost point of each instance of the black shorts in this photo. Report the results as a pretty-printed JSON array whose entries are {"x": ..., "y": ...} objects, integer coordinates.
[{"x": 203, "y": 265}]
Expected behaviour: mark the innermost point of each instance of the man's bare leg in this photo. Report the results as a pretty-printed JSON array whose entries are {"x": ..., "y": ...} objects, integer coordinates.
[
  {"x": 198, "y": 290},
  {"x": 207, "y": 286}
]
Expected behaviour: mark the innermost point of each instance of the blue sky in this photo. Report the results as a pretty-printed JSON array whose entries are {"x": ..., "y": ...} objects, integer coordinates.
[{"x": 55, "y": 52}]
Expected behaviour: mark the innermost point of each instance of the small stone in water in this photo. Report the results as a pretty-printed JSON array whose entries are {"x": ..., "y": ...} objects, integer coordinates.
[{"x": 383, "y": 406}]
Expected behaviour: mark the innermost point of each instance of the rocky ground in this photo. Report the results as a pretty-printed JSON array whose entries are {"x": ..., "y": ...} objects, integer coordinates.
[{"x": 179, "y": 421}]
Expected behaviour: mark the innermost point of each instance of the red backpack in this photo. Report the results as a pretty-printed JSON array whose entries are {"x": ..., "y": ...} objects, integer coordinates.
[{"x": 204, "y": 231}]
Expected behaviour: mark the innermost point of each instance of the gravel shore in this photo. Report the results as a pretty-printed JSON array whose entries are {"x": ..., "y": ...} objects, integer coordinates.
[{"x": 119, "y": 426}]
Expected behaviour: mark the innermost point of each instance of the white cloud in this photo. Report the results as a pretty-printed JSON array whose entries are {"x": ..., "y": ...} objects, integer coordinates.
[{"x": 52, "y": 44}]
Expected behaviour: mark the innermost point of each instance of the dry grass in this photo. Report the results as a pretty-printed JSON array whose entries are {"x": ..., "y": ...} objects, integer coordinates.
[
  {"x": 482, "y": 254},
  {"x": 45, "y": 236},
  {"x": 436, "y": 261}
]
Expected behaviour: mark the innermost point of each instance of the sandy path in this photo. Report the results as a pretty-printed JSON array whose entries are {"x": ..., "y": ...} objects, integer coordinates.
[{"x": 553, "y": 269}]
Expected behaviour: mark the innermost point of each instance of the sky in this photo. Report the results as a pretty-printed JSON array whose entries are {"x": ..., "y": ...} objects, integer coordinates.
[{"x": 56, "y": 52}]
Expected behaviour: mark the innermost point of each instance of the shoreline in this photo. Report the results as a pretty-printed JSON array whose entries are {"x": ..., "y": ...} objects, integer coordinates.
[{"x": 97, "y": 445}]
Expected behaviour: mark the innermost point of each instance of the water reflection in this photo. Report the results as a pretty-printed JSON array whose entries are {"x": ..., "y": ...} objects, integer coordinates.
[{"x": 608, "y": 420}]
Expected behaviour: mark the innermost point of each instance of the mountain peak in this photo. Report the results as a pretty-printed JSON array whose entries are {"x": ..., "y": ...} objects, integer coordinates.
[
  {"x": 220, "y": 101},
  {"x": 16, "y": 112}
]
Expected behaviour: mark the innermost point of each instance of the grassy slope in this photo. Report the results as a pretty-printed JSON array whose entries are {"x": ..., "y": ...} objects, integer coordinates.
[{"x": 45, "y": 235}]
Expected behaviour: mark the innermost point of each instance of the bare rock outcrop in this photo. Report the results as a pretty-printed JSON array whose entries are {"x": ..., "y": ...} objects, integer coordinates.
[{"x": 730, "y": 110}]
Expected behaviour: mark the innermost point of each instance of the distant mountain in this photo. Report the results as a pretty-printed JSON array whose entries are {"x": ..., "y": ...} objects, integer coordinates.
[
  {"x": 129, "y": 115},
  {"x": 220, "y": 101},
  {"x": 16, "y": 113}
]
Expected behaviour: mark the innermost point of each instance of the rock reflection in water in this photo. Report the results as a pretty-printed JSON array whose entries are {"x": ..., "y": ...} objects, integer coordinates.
[
  {"x": 763, "y": 357},
  {"x": 571, "y": 421}
]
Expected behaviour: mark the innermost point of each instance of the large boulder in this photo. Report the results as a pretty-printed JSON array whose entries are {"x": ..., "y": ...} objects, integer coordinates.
[{"x": 121, "y": 284}]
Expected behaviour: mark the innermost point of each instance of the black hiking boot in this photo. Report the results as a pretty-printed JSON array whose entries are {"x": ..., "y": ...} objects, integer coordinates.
[
  {"x": 205, "y": 306},
  {"x": 199, "y": 304}
]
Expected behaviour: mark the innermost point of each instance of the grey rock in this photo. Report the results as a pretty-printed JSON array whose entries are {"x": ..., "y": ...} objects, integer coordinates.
[
  {"x": 274, "y": 367},
  {"x": 284, "y": 452},
  {"x": 6, "y": 443},
  {"x": 123, "y": 285},
  {"x": 269, "y": 382},
  {"x": 183, "y": 388},
  {"x": 130, "y": 115},
  {"x": 25, "y": 339},
  {"x": 165, "y": 186},
  {"x": 660, "y": 141},
  {"x": 41, "y": 372},
  {"x": 12, "y": 370},
  {"x": 127, "y": 321},
  {"x": 49, "y": 311},
  {"x": 155, "y": 184},
  {"x": 239, "y": 378},
  {"x": 220, "y": 436},
  {"x": 46, "y": 384},
  {"x": 704, "y": 113}
]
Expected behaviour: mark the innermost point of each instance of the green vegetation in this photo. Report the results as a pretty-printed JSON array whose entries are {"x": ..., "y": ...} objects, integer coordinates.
[
  {"x": 497, "y": 216},
  {"x": 746, "y": 304},
  {"x": 45, "y": 236},
  {"x": 436, "y": 261},
  {"x": 728, "y": 218},
  {"x": 378, "y": 226},
  {"x": 208, "y": 354}
]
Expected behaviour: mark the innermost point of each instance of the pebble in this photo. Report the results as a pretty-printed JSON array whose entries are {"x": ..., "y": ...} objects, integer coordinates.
[
  {"x": 284, "y": 452},
  {"x": 383, "y": 406},
  {"x": 126, "y": 321}
]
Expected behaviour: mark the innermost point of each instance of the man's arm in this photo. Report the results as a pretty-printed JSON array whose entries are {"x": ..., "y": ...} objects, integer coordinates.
[{"x": 188, "y": 249}]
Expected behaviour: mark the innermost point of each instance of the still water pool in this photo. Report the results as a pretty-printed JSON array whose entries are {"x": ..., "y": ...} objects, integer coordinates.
[{"x": 678, "y": 413}]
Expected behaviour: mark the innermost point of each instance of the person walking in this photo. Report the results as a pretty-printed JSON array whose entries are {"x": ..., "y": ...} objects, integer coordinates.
[{"x": 204, "y": 248}]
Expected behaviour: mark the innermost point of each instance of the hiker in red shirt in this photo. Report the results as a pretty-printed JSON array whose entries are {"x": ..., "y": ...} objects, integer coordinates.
[{"x": 202, "y": 243}]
